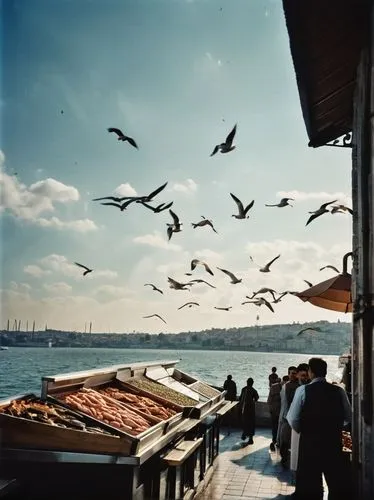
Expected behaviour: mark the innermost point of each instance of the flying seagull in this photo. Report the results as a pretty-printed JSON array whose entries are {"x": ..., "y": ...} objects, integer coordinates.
[
  {"x": 159, "y": 208},
  {"x": 282, "y": 203},
  {"x": 317, "y": 213},
  {"x": 141, "y": 199},
  {"x": 306, "y": 329},
  {"x": 155, "y": 289},
  {"x": 177, "y": 285},
  {"x": 87, "y": 269},
  {"x": 116, "y": 199},
  {"x": 223, "y": 308},
  {"x": 266, "y": 267},
  {"x": 122, "y": 206},
  {"x": 263, "y": 290},
  {"x": 188, "y": 304},
  {"x": 155, "y": 316},
  {"x": 242, "y": 211},
  {"x": 339, "y": 209},
  {"x": 226, "y": 146},
  {"x": 195, "y": 262},
  {"x": 260, "y": 302},
  {"x": 280, "y": 297},
  {"x": 202, "y": 281},
  {"x": 308, "y": 283},
  {"x": 234, "y": 279},
  {"x": 123, "y": 137},
  {"x": 202, "y": 223},
  {"x": 330, "y": 267},
  {"x": 175, "y": 227}
]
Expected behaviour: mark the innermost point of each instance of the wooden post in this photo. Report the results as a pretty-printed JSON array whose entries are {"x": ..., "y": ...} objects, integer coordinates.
[{"x": 363, "y": 282}]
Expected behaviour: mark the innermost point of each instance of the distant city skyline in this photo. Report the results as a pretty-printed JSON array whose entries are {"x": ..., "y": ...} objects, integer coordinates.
[{"x": 175, "y": 76}]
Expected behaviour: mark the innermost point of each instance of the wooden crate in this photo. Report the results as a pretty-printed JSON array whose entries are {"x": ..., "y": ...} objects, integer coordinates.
[
  {"x": 18, "y": 432},
  {"x": 139, "y": 441}
]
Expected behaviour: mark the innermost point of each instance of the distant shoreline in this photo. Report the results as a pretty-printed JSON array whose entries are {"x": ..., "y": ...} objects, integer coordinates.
[{"x": 173, "y": 348}]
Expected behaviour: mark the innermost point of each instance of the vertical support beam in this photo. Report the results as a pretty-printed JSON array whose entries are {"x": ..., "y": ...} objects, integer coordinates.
[{"x": 363, "y": 283}]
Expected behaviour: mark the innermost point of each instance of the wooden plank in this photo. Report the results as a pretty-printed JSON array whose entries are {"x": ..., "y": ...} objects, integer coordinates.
[
  {"x": 226, "y": 408},
  {"x": 181, "y": 452}
]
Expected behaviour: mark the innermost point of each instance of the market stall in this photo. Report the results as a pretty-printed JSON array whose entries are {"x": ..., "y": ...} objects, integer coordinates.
[{"x": 146, "y": 430}]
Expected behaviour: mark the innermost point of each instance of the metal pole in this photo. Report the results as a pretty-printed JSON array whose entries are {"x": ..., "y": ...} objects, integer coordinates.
[{"x": 345, "y": 261}]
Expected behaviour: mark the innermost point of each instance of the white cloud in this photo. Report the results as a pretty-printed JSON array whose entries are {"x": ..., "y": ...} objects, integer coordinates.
[
  {"x": 59, "y": 288},
  {"x": 59, "y": 264},
  {"x": 125, "y": 190},
  {"x": 35, "y": 271},
  {"x": 210, "y": 256},
  {"x": 156, "y": 240},
  {"x": 321, "y": 195},
  {"x": 20, "y": 287},
  {"x": 189, "y": 186},
  {"x": 112, "y": 291},
  {"x": 29, "y": 202},
  {"x": 54, "y": 190},
  {"x": 79, "y": 225}
]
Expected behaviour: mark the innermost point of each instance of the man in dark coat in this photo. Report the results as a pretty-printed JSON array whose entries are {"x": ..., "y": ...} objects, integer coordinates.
[
  {"x": 230, "y": 387},
  {"x": 247, "y": 410},
  {"x": 274, "y": 403},
  {"x": 318, "y": 412}
]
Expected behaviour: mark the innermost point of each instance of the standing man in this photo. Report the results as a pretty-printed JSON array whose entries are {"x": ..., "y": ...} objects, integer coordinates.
[
  {"x": 284, "y": 430},
  {"x": 303, "y": 378},
  {"x": 318, "y": 412},
  {"x": 274, "y": 403},
  {"x": 247, "y": 410},
  {"x": 230, "y": 387},
  {"x": 273, "y": 377}
]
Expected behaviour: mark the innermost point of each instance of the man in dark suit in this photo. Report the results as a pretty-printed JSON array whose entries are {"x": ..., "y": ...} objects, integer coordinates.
[{"x": 318, "y": 412}]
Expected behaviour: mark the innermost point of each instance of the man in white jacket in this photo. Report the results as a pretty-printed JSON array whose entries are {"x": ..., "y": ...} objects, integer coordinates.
[{"x": 303, "y": 378}]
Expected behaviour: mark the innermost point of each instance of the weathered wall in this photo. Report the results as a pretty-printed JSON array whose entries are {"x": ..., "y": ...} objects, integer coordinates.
[{"x": 363, "y": 247}]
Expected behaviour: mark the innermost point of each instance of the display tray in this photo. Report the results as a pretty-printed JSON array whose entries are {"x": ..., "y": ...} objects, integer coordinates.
[
  {"x": 191, "y": 408},
  {"x": 128, "y": 391},
  {"x": 28, "y": 433},
  {"x": 155, "y": 429},
  {"x": 186, "y": 384},
  {"x": 205, "y": 389}
]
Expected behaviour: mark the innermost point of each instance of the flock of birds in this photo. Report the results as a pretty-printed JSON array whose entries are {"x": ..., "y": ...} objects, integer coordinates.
[{"x": 258, "y": 297}]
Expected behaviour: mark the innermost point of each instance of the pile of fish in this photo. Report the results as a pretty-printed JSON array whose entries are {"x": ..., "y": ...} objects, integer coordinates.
[
  {"x": 346, "y": 441},
  {"x": 107, "y": 410},
  {"x": 45, "y": 413},
  {"x": 142, "y": 403}
]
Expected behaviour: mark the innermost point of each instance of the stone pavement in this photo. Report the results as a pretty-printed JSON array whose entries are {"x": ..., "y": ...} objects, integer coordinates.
[{"x": 248, "y": 472}]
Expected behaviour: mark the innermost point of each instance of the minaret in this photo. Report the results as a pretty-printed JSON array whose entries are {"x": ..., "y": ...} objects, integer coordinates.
[
  {"x": 15, "y": 325},
  {"x": 7, "y": 326},
  {"x": 85, "y": 327},
  {"x": 19, "y": 325},
  {"x": 90, "y": 326},
  {"x": 33, "y": 327},
  {"x": 27, "y": 325}
]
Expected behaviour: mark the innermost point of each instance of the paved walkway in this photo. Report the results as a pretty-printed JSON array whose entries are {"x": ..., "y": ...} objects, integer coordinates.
[{"x": 248, "y": 472}]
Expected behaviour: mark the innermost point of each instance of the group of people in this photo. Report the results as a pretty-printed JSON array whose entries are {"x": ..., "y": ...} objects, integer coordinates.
[{"x": 308, "y": 415}]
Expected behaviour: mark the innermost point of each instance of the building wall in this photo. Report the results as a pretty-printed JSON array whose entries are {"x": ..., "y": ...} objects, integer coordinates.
[{"x": 363, "y": 290}]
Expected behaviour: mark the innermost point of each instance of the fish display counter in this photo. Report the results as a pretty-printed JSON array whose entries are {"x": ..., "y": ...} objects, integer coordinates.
[{"x": 119, "y": 423}]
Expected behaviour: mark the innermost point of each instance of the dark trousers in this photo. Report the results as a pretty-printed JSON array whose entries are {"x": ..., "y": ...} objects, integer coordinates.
[
  {"x": 285, "y": 439},
  {"x": 274, "y": 425},
  {"x": 315, "y": 460}
]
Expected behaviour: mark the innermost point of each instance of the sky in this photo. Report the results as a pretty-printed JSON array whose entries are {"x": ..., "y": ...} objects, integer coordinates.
[{"x": 176, "y": 75}]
